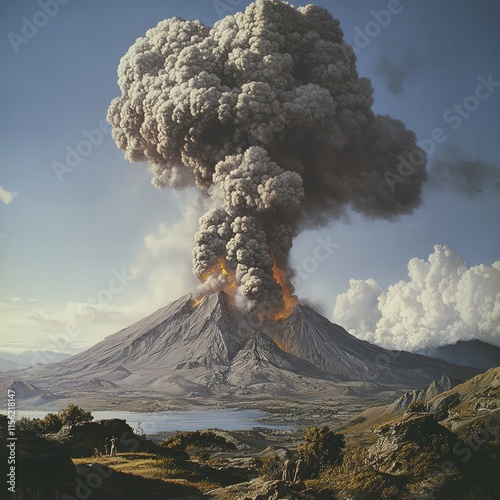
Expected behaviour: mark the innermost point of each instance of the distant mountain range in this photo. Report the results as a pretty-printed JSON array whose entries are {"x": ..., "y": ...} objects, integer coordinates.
[
  {"x": 210, "y": 349},
  {"x": 18, "y": 361},
  {"x": 475, "y": 353}
]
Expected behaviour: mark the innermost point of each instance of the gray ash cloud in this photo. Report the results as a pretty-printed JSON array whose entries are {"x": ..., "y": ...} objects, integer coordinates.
[{"x": 266, "y": 114}]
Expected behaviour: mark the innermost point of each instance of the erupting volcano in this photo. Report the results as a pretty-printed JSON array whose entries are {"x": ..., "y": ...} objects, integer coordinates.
[
  {"x": 214, "y": 349},
  {"x": 266, "y": 115},
  {"x": 230, "y": 287}
]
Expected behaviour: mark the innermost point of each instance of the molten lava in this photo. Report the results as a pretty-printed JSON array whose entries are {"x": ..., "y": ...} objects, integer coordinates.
[
  {"x": 230, "y": 287},
  {"x": 220, "y": 268},
  {"x": 289, "y": 299}
]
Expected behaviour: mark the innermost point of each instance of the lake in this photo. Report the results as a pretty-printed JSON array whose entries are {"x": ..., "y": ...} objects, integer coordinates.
[{"x": 152, "y": 423}]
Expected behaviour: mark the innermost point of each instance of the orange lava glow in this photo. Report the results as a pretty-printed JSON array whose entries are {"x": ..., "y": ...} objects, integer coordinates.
[
  {"x": 219, "y": 268},
  {"x": 231, "y": 287},
  {"x": 198, "y": 301},
  {"x": 289, "y": 299}
]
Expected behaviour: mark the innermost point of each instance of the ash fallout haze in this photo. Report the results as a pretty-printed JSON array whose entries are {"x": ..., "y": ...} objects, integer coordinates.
[{"x": 344, "y": 154}]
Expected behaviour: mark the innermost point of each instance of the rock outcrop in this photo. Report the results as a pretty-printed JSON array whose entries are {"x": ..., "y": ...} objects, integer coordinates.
[
  {"x": 83, "y": 438},
  {"x": 445, "y": 383},
  {"x": 475, "y": 399}
]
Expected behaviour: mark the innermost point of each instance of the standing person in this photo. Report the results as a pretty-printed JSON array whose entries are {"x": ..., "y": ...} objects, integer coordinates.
[
  {"x": 287, "y": 470},
  {"x": 299, "y": 470},
  {"x": 106, "y": 447},
  {"x": 113, "y": 447}
]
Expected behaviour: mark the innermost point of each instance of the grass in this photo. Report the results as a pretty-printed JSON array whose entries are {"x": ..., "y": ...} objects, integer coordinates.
[{"x": 171, "y": 471}]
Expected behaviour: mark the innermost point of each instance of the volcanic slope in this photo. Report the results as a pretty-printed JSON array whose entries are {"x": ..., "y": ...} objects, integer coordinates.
[{"x": 210, "y": 348}]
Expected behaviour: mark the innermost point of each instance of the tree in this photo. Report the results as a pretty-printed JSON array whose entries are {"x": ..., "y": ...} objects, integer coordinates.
[
  {"x": 31, "y": 425},
  {"x": 207, "y": 440},
  {"x": 51, "y": 423},
  {"x": 321, "y": 448},
  {"x": 73, "y": 414}
]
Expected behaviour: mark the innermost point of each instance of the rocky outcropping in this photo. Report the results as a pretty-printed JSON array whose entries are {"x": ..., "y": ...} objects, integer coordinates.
[
  {"x": 475, "y": 399},
  {"x": 83, "y": 438},
  {"x": 409, "y": 436},
  {"x": 268, "y": 490},
  {"x": 445, "y": 383}
]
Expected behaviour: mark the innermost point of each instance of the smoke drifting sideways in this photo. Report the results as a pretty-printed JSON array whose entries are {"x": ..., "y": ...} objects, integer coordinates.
[
  {"x": 445, "y": 300},
  {"x": 472, "y": 178},
  {"x": 265, "y": 114}
]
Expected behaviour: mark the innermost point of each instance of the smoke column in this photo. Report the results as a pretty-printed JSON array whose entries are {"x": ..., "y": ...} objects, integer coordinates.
[{"x": 266, "y": 115}]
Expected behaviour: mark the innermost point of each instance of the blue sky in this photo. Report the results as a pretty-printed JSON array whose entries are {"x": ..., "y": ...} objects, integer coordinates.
[{"x": 65, "y": 239}]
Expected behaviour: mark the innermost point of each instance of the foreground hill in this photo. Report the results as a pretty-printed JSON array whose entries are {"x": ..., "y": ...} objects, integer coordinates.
[
  {"x": 212, "y": 348},
  {"x": 473, "y": 404}
]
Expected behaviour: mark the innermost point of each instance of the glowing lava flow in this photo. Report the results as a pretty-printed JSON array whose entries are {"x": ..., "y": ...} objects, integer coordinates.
[
  {"x": 218, "y": 269},
  {"x": 230, "y": 287},
  {"x": 289, "y": 300}
]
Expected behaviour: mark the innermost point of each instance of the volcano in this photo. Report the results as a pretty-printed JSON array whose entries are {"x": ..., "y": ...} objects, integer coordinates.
[{"x": 211, "y": 348}]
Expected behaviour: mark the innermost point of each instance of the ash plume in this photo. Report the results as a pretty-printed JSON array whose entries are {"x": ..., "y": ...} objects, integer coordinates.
[
  {"x": 472, "y": 178},
  {"x": 265, "y": 113}
]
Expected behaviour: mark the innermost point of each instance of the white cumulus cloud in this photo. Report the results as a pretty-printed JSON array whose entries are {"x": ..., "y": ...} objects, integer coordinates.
[
  {"x": 445, "y": 300},
  {"x": 7, "y": 196}
]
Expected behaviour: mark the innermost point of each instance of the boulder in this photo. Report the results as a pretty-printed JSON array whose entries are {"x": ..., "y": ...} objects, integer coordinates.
[
  {"x": 413, "y": 433},
  {"x": 85, "y": 437}
]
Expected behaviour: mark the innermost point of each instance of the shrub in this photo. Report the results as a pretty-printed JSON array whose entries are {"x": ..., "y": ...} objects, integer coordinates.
[
  {"x": 207, "y": 440},
  {"x": 448, "y": 403},
  {"x": 417, "y": 406},
  {"x": 30, "y": 425},
  {"x": 321, "y": 448},
  {"x": 52, "y": 422},
  {"x": 73, "y": 414},
  {"x": 272, "y": 467},
  {"x": 357, "y": 479}
]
